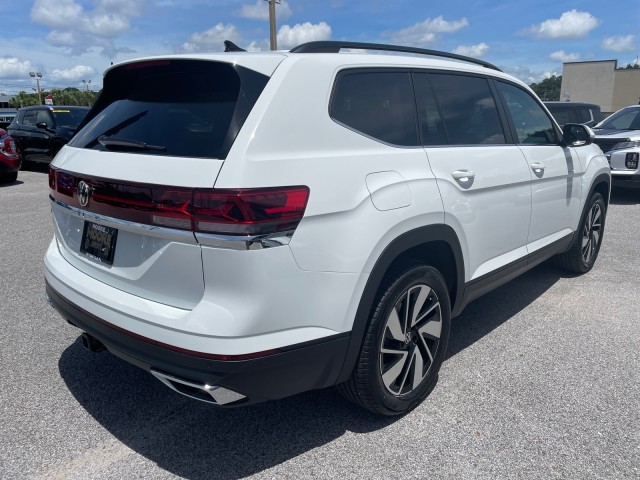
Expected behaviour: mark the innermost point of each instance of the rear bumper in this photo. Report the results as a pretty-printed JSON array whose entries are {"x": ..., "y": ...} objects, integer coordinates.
[
  {"x": 294, "y": 369},
  {"x": 9, "y": 164}
]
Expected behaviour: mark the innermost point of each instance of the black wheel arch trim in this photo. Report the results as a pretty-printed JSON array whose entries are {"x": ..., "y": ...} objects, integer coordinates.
[
  {"x": 601, "y": 178},
  {"x": 400, "y": 245}
]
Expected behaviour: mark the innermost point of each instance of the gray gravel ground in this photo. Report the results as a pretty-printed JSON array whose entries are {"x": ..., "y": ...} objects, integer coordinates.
[{"x": 542, "y": 381}]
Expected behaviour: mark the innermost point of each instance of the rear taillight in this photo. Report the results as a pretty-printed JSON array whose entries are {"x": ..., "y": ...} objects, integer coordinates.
[
  {"x": 8, "y": 148},
  {"x": 250, "y": 211},
  {"x": 234, "y": 212}
]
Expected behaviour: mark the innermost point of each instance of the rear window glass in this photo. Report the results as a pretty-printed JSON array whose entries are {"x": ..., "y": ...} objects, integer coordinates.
[
  {"x": 69, "y": 117},
  {"x": 171, "y": 107}
]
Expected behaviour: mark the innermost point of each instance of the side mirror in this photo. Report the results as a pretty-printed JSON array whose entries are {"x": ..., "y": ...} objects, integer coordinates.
[
  {"x": 41, "y": 125},
  {"x": 577, "y": 135}
]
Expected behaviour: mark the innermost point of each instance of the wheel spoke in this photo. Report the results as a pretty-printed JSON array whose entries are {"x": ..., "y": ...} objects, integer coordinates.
[
  {"x": 433, "y": 328},
  {"x": 426, "y": 348},
  {"x": 391, "y": 375},
  {"x": 423, "y": 295},
  {"x": 418, "y": 369},
  {"x": 394, "y": 326}
]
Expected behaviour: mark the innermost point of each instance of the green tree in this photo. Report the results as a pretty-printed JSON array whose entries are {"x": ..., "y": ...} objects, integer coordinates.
[
  {"x": 632, "y": 66},
  {"x": 549, "y": 88}
]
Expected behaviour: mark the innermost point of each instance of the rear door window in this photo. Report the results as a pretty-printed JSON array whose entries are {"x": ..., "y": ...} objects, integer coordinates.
[
  {"x": 171, "y": 107},
  {"x": 29, "y": 118},
  {"x": 378, "y": 104},
  {"x": 468, "y": 109}
]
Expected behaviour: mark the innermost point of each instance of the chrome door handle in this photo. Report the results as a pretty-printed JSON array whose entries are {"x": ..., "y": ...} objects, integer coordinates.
[
  {"x": 463, "y": 176},
  {"x": 537, "y": 167}
]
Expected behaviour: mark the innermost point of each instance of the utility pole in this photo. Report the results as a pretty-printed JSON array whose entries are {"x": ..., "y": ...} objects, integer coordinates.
[
  {"x": 37, "y": 76},
  {"x": 272, "y": 24},
  {"x": 87, "y": 83}
]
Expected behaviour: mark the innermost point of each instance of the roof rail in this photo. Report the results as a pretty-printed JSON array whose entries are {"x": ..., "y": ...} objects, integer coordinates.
[{"x": 336, "y": 46}]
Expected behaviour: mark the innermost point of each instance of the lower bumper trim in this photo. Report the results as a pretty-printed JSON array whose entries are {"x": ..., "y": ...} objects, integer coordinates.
[{"x": 295, "y": 369}]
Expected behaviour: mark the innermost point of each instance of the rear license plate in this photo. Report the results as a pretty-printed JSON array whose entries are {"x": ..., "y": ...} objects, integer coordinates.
[{"x": 99, "y": 241}]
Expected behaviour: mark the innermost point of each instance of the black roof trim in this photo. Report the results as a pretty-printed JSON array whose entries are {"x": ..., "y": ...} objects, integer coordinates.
[{"x": 335, "y": 47}]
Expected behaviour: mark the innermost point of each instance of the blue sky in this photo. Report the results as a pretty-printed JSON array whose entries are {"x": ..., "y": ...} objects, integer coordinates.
[{"x": 73, "y": 40}]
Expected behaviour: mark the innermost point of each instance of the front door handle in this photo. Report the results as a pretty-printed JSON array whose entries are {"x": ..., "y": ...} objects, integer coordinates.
[
  {"x": 538, "y": 168},
  {"x": 463, "y": 176}
]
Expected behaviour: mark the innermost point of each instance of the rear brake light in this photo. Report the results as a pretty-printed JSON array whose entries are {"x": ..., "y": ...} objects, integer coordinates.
[
  {"x": 237, "y": 212},
  {"x": 249, "y": 212}
]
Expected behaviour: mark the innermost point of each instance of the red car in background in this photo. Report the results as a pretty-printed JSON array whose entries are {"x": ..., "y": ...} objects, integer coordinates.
[{"x": 9, "y": 158}]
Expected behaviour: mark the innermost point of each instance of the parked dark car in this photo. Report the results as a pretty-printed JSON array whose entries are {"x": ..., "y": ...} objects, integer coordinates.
[
  {"x": 41, "y": 131},
  {"x": 9, "y": 158},
  {"x": 575, "y": 112}
]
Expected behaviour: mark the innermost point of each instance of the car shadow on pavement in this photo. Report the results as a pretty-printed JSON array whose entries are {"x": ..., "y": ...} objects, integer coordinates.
[
  {"x": 625, "y": 196},
  {"x": 490, "y": 311},
  {"x": 197, "y": 441},
  {"x": 12, "y": 184}
]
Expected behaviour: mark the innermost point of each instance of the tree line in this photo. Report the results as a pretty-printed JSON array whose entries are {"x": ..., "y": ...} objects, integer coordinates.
[{"x": 61, "y": 96}]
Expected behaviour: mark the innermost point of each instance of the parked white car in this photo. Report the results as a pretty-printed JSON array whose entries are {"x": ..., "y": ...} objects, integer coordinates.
[
  {"x": 619, "y": 138},
  {"x": 248, "y": 226}
]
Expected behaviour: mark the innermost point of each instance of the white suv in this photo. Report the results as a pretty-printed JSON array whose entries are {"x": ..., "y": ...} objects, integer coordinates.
[{"x": 248, "y": 226}]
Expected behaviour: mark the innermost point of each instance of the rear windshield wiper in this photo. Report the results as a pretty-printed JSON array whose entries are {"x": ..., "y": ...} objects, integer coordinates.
[{"x": 123, "y": 144}]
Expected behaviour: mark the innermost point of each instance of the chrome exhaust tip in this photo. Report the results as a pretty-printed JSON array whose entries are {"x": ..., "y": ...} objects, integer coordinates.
[{"x": 203, "y": 392}]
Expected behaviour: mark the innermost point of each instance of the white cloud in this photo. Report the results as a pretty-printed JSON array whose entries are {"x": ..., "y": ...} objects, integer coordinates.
[
  {"x": 211, "y": 40},
  {"x": 527, "y": 75},
  {"x": 426, "y": 32},
  {"x": 618, "y": 43},
  {"x": 479, "y": 50},
  {"x": 78, "y": 30},
  {"x": 562, "y": 56},
  {"x": 571, "y": 24},
  {"x": 11, "y": 67},
  {"x": 260, "y": 10},
  {"x": 289, "y": 37},
  {"x": 72, "y": 75}
]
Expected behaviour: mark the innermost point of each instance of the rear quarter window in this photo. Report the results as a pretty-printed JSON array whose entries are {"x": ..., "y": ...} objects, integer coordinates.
[{"x": 378, "y": 104}]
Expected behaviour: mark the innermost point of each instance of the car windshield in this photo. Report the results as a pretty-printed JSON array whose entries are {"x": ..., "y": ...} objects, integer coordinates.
[
  {"x": 69, "y": 117},
  {"x": 626, "y": 119}
]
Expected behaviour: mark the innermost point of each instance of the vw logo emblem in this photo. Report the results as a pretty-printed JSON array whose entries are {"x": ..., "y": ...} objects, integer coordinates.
[{"x": 83, "y": 190}]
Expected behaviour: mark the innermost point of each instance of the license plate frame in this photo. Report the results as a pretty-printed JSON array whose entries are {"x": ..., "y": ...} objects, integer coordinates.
[{"x": 99, "y": 242}]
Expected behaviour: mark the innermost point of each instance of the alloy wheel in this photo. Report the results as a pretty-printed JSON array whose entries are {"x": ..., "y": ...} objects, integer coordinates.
[
  {"x": 591, "y": 233},
  {"x": 410, "y": 340}
]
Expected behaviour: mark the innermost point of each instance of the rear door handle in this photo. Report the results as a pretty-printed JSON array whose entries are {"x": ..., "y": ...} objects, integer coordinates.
[{"x": 463, "y": 176}]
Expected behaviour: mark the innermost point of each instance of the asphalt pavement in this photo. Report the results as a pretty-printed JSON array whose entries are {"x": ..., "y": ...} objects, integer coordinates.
[{"x": 542, "y": 381}]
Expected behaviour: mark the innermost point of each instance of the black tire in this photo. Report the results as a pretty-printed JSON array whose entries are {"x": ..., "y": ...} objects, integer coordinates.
[
  {"x": 583, "y": 252},
  {"x": 391, "y": 354},
  {"x": 8, "y": 177}
]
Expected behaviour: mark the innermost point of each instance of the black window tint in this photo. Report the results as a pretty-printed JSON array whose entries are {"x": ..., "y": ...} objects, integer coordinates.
[
  {"x": 29, "y": 118},
  {"x": 564, "y": 115},
  {"x": 189, "y": 108},
  {"x": 69, "y": 117},
  {"x": 584, "y": 114},
  {"x": 531, "y": 122},
  {"x": 431, "y": 124},
  {"x": 43, "y": 116},
  {"x": 468, "y": 109},
  {"x": 378, "y": 104}
]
